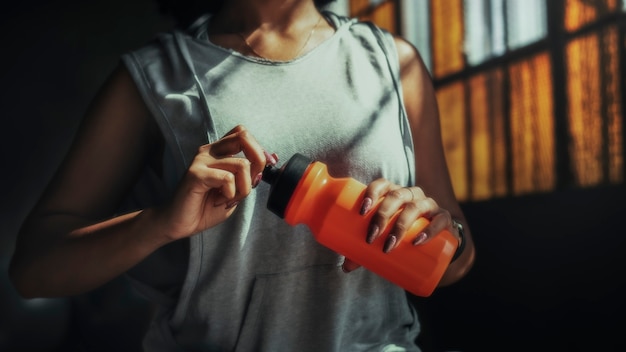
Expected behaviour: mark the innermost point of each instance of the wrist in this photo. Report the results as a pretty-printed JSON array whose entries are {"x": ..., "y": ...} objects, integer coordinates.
[{"x": 150, "y": 222}]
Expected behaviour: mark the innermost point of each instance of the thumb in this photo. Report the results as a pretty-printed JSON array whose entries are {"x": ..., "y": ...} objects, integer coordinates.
[{"x": 349, "y": 265}]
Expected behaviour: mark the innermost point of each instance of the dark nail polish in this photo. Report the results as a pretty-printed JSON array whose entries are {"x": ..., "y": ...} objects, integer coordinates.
[
  {"x": 366, "y": 205},
  {"x": 420, "y": 239},
  {"x": 372, "y": 233},
  {"x": 390, "y": 243}
]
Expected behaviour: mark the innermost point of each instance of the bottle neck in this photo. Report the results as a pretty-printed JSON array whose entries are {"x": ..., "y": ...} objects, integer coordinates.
[{"x": 283, "y": 182}]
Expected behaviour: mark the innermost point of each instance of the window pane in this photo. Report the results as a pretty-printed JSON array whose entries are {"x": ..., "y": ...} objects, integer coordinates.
[
  {"x": 581, "y": 12},
  {"x": 595, "y": 108},
  {"x": 416, "y": 27},
  {"x": 526, "y": 22},
  {"x": 484, "y": 30},
  {"x": 487, "y": 34},
  {"x": 498, "y": 27},
  {"x": 532, "y": 125},
  {"x": 447, "y": 24},
  {"x": 487, "y": 138},
  {"x": 451, "y": 100}
]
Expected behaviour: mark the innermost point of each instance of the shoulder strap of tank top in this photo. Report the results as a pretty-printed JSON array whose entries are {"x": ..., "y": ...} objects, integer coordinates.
[
  {"x": 385, "y": 41},
  {"x": 181, "y": 43}
]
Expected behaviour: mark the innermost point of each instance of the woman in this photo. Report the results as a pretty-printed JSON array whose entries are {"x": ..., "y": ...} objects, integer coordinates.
[{"x": 188, "y": 121}]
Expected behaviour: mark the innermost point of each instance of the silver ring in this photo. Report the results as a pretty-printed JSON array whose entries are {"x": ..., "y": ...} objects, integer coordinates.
[{"x": 412, "y": 194}]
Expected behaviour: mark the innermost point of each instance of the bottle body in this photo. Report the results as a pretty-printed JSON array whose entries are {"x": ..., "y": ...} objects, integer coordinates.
[{"x": 330, "y": 207}]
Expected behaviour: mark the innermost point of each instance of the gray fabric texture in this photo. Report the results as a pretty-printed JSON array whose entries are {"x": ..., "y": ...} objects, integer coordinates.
[{"x": 254, "y": 283}]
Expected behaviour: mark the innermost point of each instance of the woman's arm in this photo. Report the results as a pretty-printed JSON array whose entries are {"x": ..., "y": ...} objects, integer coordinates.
[
  {"x": 71, "y": 243},
  {"x": 433, "y": 177},
  {"x": 61, "y": 248}
]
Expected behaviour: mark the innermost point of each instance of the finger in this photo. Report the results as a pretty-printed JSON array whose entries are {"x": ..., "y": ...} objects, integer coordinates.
[
  {"x": 234, "y": 173},
  {"x": 375, "y": 190},
  {"x": 442, "y": 220},
  {"x": 239, "y": 139},
  {"x": 410, "y": 212},
  {"x": 203, "y": 179},
  {"x": 393, "y": 200},
  {"x": 348, "y": 265},
  {"x": 234, "y": 130}
]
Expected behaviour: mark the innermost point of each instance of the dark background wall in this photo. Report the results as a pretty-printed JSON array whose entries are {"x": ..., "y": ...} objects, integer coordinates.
[
  {"x": 54, "y": 57},
  {"x": 550, "y": 273}
]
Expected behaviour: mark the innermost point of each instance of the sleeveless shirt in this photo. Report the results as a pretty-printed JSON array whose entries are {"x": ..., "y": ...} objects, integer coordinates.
[{"x": 253, "y": 282}]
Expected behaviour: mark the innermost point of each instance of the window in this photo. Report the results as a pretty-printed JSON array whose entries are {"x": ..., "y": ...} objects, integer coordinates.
[
  {"x": 493, "y": 27},
  {"x": 530, "y": 91}
]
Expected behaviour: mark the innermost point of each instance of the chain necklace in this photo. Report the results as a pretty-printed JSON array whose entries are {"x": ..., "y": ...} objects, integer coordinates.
[{"x": 306, "y": 42}]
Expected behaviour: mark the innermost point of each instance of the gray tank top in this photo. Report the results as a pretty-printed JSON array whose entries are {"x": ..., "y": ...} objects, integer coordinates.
[{"x": 254, "y": 283}]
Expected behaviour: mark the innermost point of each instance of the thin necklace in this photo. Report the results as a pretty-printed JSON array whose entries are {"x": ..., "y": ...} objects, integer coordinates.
[{"x": 306, "y": 42}]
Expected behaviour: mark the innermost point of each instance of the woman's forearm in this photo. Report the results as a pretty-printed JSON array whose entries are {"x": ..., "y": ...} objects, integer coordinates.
[{"x": 48, "y": 263}]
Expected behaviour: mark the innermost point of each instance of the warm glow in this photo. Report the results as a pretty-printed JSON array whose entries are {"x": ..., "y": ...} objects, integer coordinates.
[
  {"x": 359, "y": 7},
  {"x": 487, "y": 139},
  {"x": 581, "y": 12},
  {"x": 532, "y": 125},
  {"x": 382, "y": 13},
  {"x": 447, "y": 24},
  {"x": 498, "y": 123},
  {"x": 452, "y": 111},
  {"x": 480, "y": 138},
  {"x": 614, "y": 106},
  {"x": 594, "y": 94},
  {"x": 385, "y": 16}
]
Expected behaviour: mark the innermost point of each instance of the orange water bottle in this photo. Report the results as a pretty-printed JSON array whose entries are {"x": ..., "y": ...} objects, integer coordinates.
[{"x": 302, "y": 192}]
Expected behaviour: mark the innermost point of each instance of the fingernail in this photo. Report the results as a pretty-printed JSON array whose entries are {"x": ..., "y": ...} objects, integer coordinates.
[
  {"x": 269, "y": 158},
  {"x": 372, "y": 233},
  {"x": 275, "y": 156},
  {"x": 366, "y": 205},
  {"x": 420, "y": 239},
  {"x": 257, "y": 179},
  {"x": 390, "y": 243},
  {"x": 232, "y": 204}
]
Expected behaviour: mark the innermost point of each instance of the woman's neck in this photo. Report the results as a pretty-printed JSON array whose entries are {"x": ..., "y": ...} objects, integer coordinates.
[
  {"x": 266, "y": 15},
  {"x": 272, "y": 29}
]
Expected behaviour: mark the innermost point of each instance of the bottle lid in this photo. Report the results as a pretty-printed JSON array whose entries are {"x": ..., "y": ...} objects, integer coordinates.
[{"x": 283, "y": 182}]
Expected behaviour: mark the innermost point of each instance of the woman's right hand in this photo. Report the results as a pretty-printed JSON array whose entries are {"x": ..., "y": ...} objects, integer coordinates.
[{"x": 215, "y": 182}]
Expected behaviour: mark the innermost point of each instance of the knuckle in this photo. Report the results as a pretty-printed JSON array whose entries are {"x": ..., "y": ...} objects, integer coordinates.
[
  {"x": 204, "y": 149},
  {"x": 228, "y": 177},
  {"x": 400, "y": 227},
  {"x": 431, "y": 203},
  {"x": 194, "y": 171},
  {"x": 395, "y": 194},
  {"x": 379, "y": 218},
  {"x": 412, "y": 207},
  {"x": 243, "y": 163},
  {"x": 243, "y": 132}
]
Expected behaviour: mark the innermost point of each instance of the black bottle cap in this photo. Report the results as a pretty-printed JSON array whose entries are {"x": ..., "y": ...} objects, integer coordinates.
[{"x": 283, "y": 182}]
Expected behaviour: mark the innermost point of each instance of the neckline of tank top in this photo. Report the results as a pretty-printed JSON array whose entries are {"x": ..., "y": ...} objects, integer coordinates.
[{"x": 202, "y": 38}]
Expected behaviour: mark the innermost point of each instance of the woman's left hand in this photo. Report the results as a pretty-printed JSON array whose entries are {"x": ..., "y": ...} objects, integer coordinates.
[{"x": 412, "y": 204}]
